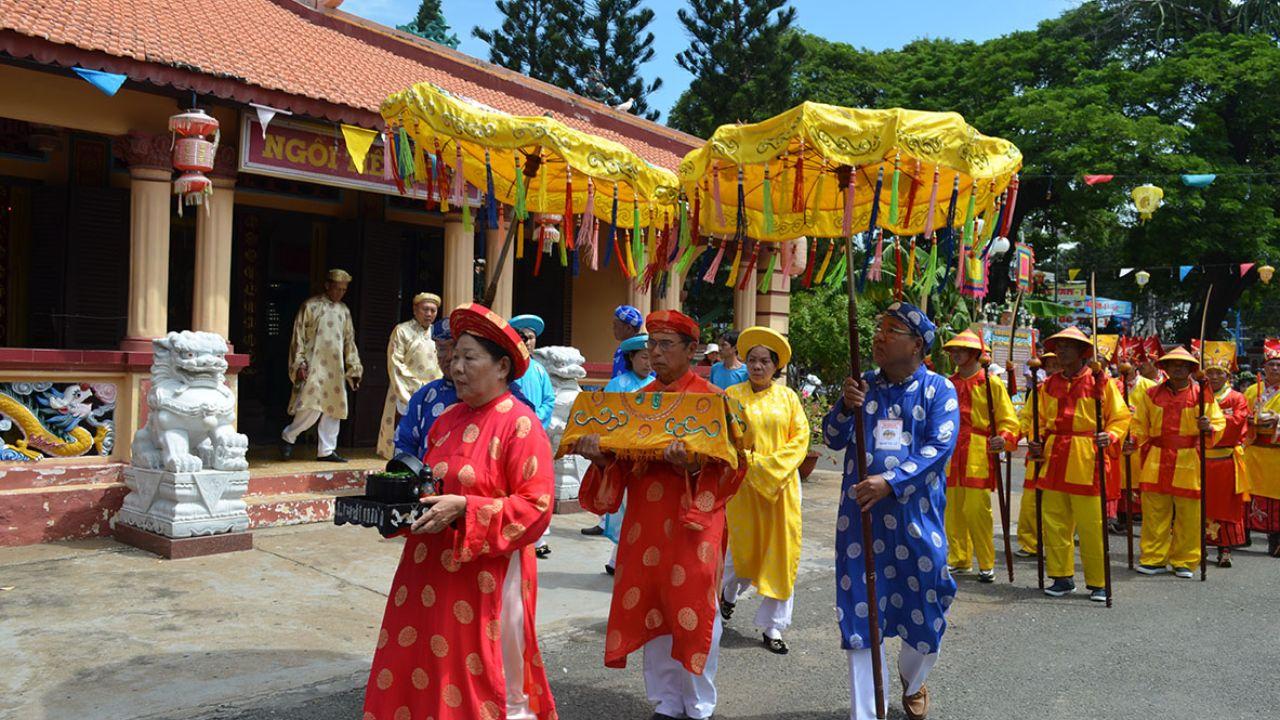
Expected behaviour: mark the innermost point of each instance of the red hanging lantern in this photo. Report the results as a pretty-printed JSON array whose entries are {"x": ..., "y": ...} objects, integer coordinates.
[{"x": 193, "y": 154}]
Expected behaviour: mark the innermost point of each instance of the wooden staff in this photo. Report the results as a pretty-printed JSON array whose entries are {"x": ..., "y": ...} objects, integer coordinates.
[
  {"x": 1204, "y": 493},
  {"x": 993, "y": 465},
  {"x": 1124, "y": 368},
  {"x": 491, "y": 291},
  {"x": 1013, "y": 390},
  {"x": 1099, "y": 385},
  {"x": 860, "y": 451},
  {"x": 1034, "y": 363}
]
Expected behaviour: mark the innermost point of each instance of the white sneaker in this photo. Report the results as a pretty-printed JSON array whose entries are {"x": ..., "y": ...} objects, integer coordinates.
[
  {"x": 1152, "y": 569},
  {"x": 1184, "y": 573},
  {"x": 960, "y": 571}
]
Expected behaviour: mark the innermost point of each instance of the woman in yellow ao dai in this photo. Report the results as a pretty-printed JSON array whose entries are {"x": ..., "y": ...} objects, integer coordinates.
[{"x": 764, "y": 517}]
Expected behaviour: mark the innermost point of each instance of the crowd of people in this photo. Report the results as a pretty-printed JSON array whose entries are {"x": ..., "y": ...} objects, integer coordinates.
[{"x": 1110, "y": 441}]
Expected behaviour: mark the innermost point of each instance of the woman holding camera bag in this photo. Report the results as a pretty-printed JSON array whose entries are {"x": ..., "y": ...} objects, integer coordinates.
[{"x": 458, "y": 636}]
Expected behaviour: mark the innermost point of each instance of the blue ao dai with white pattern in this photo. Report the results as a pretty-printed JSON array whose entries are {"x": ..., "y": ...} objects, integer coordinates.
[{"x": 913, "y": 585}]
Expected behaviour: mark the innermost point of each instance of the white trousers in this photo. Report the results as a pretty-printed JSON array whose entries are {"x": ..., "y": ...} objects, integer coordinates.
[
  {"x": 675, "y": 691},
  {"x": 542, "y": 539},
  {"x": 772, "y": 617},
  {"x": 912, "y": 666},
  {"x": 512, "y": 621},
  {"x": 328, "y": 430}
]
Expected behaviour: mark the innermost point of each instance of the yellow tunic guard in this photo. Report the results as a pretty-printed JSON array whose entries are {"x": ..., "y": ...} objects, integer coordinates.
[{"x": 411, "y": 363}]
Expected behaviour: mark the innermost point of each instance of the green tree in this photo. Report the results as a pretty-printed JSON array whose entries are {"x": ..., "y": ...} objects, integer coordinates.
[
  {"x": 615, "y": 43},
  {"x": 533, "y": 37},
  {"x": 741, "y": 53},
  {"x": 429, "y": 24}
]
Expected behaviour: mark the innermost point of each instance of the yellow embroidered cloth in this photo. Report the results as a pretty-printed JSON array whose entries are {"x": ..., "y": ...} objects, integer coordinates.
[{"x": 639, "y": 426}]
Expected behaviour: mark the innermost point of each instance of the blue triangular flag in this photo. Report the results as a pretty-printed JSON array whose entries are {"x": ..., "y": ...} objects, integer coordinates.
[
  {"x": 1200, "y": 180},
  {"x": 108, "y": 83},
  {"x": 1183, "y": 270}
]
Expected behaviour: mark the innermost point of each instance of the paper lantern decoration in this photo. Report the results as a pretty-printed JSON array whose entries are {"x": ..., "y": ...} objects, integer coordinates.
[
  {"x": 1142, "y": 277},
  {"x": 1147, "y": 199},
  {"x": 1264, "y": 274},
  {"x": 195, "y": 144}
]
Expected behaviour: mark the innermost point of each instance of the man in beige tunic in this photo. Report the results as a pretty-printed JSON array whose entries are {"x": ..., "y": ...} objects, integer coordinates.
[
  {"x": 322, "y": 353},
  {"x": 411, "y": 363}
]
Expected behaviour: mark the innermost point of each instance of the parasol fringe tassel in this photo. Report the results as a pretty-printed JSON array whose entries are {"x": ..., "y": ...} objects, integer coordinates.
[
  {"x": 715, "y": 195},
  {"x": 893, "y": 191},
  {"x": 389, "y": 156},
  {"x": 421, "y": 170},
  {"x": 636, "y": 257},
  {"x": 458, "y": 194},
  {"x": 826, "y": 260},
  {"x": 897, "y": 265},
  {"x": 751, "y": 266},
  {"x": 714, "y": 268},
  {"x": 811, "y": 262},
  {"x": 567, "y": 236},
  {"x": 768, "y": 202},
  {"x": 588, "y": 229},
  {"x": 874, "y": 272},
  {"x": 788, "y": 257},
  {"x": 491, "y": 197},
  {"x": 767, "y": 282},
  {"x": 442, "y": 180},
  {"x": 911, "y": 263},
  {"x": 537, "y": 258},
  {"x": 911, "y": 195},
  {"x": 736, "y": 265},
  {"x": 933, "y": 205},
  {"x": 797, "y": 191},
  {"x": 408, "y": 170},
  {"x": 1012, "y": 205},
  {"x": 837, "y": 274}
]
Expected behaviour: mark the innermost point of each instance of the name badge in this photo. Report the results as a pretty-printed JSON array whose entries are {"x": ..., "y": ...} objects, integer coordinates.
[{"x": 888, "y": 434}]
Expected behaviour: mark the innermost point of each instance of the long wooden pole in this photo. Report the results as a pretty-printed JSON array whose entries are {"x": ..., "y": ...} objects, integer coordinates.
[
  {"x": 1013, "y": 390},
  {"x": 1204, "y": 492},
  {"x": 860, "y": 450},
  {"x": 993, "y": 463},
  {"x": 1034, "y": 363},
  {"x": 1128, "y": 472},
  {"x": 1099, "y": 385},
  {"x": 491, "y": 291}
]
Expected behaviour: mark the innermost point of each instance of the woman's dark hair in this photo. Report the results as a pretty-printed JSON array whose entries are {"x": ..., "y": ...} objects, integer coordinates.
[
  {"x": 495, "y": 352},
  {"x": 626, "y": 358}
]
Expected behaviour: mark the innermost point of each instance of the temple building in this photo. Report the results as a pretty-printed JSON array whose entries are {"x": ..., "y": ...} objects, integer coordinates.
[{"x": 96, "y": 259}]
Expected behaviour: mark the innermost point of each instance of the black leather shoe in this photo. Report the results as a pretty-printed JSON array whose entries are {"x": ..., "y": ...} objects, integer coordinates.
[
  {"x": 286, "y": 450},
  {"x": 776, "y": 645},
  {"x": 593, "y": 530},
  {"x": 660, "y": 716},
  {"x": 609, "y": 570},
  {"x": 726, "y": 609},
  {"x": 332, "y": 457},
  {"x": 542, "y": 552}
]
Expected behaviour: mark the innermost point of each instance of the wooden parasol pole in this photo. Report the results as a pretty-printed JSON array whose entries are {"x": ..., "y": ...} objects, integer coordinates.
[
  {"x": 1124, "y": 368},
  {"x": 860, "y": 450},
  {"x": 1204, "y": 493},
  {"x": 1034, "y": 363},
  {"x": 993, "y": 465},
  {"x": 1099, "y": 385}
]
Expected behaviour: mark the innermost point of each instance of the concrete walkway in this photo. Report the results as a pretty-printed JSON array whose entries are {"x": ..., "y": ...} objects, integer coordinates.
[{"x": 94, "y": 629}]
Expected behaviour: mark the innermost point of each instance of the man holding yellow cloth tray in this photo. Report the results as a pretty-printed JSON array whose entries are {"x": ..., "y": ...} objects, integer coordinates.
[{"x": 676, "y": 449}]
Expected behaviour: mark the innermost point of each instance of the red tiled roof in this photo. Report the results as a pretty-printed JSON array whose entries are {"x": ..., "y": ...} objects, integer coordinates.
[{"x": 275, "y": 51}]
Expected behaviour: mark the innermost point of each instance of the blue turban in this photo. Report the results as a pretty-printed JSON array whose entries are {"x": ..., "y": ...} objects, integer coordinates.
[
  {"x": 629, "y": 315},
  {"x": 915, "y": 319},
  {"x": 633, "y": 343},
  {"x": 529, "y": 322},
  {"x": 440, "y": 330}
]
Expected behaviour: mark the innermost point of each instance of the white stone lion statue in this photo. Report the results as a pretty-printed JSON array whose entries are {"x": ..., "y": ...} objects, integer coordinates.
[{"x": 191, "y": 425}]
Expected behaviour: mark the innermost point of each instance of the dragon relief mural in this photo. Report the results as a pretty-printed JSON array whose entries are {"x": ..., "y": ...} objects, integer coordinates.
[{"x": 52, "y": 419}]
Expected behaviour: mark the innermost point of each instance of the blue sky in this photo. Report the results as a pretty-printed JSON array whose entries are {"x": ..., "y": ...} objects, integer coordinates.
[{"x": 876, "y": 25}]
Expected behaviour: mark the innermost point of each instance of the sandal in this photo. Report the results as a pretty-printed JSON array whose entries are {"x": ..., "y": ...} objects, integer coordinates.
[{"x": 775, "y": 645}]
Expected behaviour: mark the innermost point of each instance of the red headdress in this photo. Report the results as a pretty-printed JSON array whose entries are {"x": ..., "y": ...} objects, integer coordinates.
[{"x": 478, "y": 320}]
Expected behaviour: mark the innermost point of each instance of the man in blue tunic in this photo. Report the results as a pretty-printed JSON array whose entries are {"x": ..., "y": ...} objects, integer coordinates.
[
  {"x": 429, "y": 401},
  {"x": 910, "y": 425}
]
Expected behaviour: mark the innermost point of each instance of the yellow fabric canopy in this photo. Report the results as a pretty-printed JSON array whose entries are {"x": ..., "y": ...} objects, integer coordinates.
[
  {"x": 831, "y": 142},
  {"x": 434, "y": 117}
]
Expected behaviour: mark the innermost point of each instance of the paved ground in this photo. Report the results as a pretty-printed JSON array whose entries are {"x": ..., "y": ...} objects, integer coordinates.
[{"x": 286, "y": 632}]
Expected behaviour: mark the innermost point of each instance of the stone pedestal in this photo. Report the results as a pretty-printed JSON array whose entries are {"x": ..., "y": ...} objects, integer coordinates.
[{"x": 185, "y": 504}]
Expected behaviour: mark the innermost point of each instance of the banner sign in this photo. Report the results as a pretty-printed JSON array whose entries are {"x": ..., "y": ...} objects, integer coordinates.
[
  {"x": 314, "y": 152},
  {"x": 1076, "y": 294},
  {"x": 996, "y": 338}
]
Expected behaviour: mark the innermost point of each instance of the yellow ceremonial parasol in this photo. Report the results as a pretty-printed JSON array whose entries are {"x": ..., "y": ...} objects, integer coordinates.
[
  {"x": 825, "y": 171},
  {"x": 831, "y": 172},
  {"x": 533, "y": 164}
]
